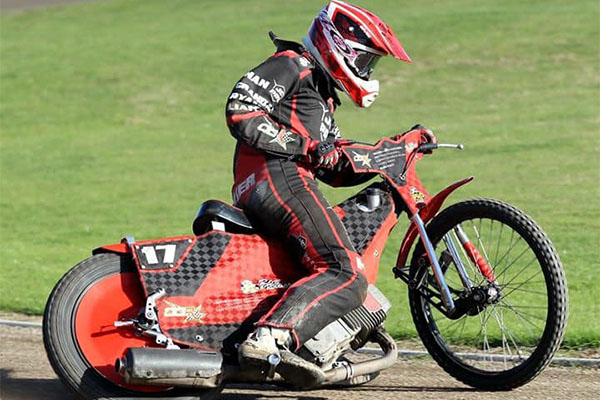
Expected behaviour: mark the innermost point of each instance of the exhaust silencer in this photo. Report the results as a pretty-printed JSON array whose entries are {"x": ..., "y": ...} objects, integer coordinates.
[{"x": 170, "y": 367}]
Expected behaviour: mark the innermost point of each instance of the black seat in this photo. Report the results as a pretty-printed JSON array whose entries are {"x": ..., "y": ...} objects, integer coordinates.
[{"x": 233, "y": 218}]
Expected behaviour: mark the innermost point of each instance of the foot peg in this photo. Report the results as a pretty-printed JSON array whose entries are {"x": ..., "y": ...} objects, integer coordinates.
[{"x": 273, "y": 360}]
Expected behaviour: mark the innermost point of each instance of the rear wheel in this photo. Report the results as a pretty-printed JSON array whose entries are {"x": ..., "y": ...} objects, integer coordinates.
[
  {"x": 508, "y": 340},
  {"x": 81, "y": 342}
]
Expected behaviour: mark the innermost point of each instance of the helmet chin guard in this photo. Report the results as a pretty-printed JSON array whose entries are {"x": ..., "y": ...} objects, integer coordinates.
[{"x": 347, "y": 41}]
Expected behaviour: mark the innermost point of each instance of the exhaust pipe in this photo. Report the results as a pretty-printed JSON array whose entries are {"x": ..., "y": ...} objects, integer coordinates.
[
  {"x": 171, "y": 367},
  {"x": 205, "y": 369},
  {"x": 352, "y": 373}
]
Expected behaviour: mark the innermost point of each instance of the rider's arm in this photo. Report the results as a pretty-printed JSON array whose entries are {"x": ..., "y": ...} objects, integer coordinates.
[
  {"x": 253, "y": 100},
  {"x": 342, "y": 174}
]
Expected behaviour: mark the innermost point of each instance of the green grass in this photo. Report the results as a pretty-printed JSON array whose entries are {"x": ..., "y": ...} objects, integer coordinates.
[{"x": 112, "y": 124}]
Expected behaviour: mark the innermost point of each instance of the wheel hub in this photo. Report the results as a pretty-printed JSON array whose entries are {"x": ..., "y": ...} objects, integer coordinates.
[{"x": 476, "y": 300}]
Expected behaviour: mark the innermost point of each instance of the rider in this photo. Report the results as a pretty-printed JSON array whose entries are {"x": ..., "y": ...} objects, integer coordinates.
[{"x": 281, "y": 114}]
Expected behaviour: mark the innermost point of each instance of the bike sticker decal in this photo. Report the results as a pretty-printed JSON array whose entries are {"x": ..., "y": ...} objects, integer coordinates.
[
  {"x": 249, "y": 287},
  {"x": 418, "y": 196},
  {"x": 190, "y": 314},
  {"x": 387, "y": 158},
  {"x": 362, "y": 158},
  {"x": 185, "y": 278}
]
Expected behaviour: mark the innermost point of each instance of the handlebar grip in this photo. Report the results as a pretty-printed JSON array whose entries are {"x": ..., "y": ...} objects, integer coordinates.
[{"x": 427, "y": 147}]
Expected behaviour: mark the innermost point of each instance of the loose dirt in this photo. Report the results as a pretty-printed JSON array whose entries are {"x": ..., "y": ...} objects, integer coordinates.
[{"x": 26, "y": 374}]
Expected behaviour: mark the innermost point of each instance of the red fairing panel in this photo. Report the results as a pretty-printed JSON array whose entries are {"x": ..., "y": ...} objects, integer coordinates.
[
  {"x": 119, "y": 248},
  {"x": 372, "y": 254},
  {"x": 219, "y": 282}
]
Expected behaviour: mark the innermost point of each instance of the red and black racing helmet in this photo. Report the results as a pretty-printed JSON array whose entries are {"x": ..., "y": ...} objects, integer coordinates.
[{"x": 347, "y": 41}]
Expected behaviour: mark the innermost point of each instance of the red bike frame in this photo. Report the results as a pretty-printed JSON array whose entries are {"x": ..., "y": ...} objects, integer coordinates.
[{"x": 421, "y": 207}]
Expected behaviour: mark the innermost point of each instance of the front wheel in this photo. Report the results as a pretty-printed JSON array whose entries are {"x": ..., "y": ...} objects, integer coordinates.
[
  {"x": 506, "y": 341},
  {"x": 81, "y": 341}
]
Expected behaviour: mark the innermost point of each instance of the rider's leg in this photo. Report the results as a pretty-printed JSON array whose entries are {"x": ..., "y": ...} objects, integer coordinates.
[{"x": 291, "y": 205}]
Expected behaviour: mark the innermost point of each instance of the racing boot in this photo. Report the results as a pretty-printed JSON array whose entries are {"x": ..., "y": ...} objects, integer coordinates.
[
  {"x": 267, "y": 348},
  {"x": 257, "y": 348}
]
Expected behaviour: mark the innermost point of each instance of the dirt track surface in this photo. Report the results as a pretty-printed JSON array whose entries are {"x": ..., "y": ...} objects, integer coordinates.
[{"x": 26, "y": 374}]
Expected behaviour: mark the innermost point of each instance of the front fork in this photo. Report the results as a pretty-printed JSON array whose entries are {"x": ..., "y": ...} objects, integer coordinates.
[
  {"x": 470, "y": 250},
  {"x": 435, "y": 265}
]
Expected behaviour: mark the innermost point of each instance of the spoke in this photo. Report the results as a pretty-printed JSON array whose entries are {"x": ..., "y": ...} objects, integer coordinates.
[
  {"x": 525, "y": 314},
  {"x": 511, "y": 246},
  {"x": 456, "y": 324},
  {"x": 513, "y": 288},
  {"x": 451, "y": 282},
  {"x": 504, "y": 329},
  {"x": 522, "y": 318},
  {"x": 485, "y": 345},
  {"x": 504, "y": 341},
  {"x": 520, "y": 306},
  {"x": 532, "y": 292},
  {"x": 462, "y": 329},
  {"x": 513, "y": 284},
  {"x": 480, "y": 243},
  {"x": 523, "y": 270},
  {"x": 452, "y": 322},
  {"x": 514, "y": 261},
  {"x": 490, "y": 237},
  {"x": 498, "y": 246}
]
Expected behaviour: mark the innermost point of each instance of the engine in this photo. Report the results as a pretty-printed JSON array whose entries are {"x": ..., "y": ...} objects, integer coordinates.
[{"x": 350, "y": 331}]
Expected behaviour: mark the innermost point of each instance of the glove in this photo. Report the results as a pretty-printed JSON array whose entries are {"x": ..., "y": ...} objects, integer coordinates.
[
  {"x": 427, "y": 135},
  {"x": 323, "y": 154}
]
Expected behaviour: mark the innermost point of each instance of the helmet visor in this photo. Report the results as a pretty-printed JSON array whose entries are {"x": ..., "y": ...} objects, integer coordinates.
[{"x": 365, "y": 62}]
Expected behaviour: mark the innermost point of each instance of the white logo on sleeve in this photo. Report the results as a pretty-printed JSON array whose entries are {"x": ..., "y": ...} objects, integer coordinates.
[
  {"x": 243, "y": 187},
  {"x": 277, "y": 92},
  {"x": 257, "y": 80},
  {"x": 283, "y": 137}
]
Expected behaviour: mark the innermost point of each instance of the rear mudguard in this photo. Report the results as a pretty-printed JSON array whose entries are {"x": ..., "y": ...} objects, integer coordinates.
[
  {"x": 426, "y": 214},
  {"x": 119, "y": 248}
]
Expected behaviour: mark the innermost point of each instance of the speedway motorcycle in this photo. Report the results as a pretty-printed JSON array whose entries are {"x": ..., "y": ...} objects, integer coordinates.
[{"x": 163, "y": 318}]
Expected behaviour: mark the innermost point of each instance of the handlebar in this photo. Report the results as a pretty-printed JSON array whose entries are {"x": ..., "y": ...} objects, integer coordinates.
[
  {"x": 433, "y": 146},
  {"x": 421, "y": 149}
]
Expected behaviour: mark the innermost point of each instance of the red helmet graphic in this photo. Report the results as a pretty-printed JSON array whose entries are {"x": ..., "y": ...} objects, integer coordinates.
[{"x": 347, "y": 41}]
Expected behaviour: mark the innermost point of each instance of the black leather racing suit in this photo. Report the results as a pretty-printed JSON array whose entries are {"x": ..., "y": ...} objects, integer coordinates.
[{"x": 273, "y": 111}]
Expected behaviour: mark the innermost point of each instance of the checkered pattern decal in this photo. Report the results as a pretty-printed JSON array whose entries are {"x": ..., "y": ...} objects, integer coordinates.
[
  {"x": 205, "y": 335},
  {"x": 187, "y": 277},
  {"x": 221, "y": 285},
  {"x": 362, "y": 226}
]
